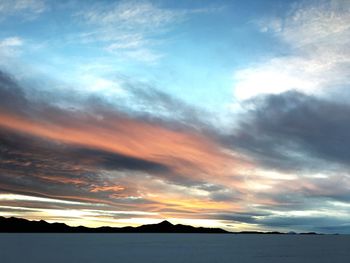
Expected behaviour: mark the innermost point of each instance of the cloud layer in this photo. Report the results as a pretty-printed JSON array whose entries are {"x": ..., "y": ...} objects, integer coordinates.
[
  {"x": 318, "y": 56},
  {"x": 108, "y": 157},
  {"x": 81, "y": 140}
]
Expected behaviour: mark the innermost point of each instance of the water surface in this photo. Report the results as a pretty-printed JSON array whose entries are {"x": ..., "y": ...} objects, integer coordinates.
[{"x": 153, "y": 248}]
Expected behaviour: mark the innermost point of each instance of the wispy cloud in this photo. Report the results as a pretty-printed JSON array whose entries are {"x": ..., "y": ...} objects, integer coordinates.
[
  {"x": 108, "y": 147},
  {"x": 296, "y": 131},
  {"x": 317, "y": 37},
  {"x": 104, "y": 156},
  {"x": 132, "y": 15},
  {"x": 108, "y": 160},
  {"x": 131, "y": 29},
  {"x": 10, "y": 46},
  {"x": 294, "y": 123},
  {"x": 11, "y": 42},
  {"x": 25, "y": 8}
]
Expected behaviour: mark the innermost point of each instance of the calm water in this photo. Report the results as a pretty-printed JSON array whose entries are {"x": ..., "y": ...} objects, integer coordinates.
[{"x": 153, "y": 248}]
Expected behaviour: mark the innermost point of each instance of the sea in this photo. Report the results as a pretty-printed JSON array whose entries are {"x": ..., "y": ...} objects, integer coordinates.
[{"x": 168, "y": 248}]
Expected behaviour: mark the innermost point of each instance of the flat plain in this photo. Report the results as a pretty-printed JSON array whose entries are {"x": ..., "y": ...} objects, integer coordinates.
[{"x": 135, "y": 248}]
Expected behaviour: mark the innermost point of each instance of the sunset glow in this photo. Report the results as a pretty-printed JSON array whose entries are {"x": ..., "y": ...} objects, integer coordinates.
[{"x": 230, "y": 114}]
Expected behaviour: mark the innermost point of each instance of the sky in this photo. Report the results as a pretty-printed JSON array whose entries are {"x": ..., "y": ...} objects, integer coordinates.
[{"x": 231, "y": 114}]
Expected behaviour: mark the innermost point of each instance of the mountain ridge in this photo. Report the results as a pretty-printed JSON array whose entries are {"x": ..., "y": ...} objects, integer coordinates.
[{"x": 21, "y": 225}]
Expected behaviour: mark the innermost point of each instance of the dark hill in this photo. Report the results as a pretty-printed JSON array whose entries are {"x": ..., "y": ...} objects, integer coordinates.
[{"x": 18, "y": 225}]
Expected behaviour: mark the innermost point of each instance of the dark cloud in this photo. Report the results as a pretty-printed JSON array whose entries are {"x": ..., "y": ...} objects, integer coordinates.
[
  {"x": 17, "y": 210},
  {"x": 12, "y": 97},
  {"x": 41, "y": 165},
  {"x": 268, "y": 220},
  {"x": 294, "y": 131},
  {"x": 143, "y": 105},
  {"x": 343, "y": 228},
  {"x": 34, "y": 165},
  {"x": 45, "y": 106},
  {"x": 225, "y": 195},
  {"x": 113, "y": 161},
  {"x": 242, "y": 217},
  {"x": 322, "y": 223},
  {"x": 155, "y": 105},
  {"x": 142, "y": 102}
]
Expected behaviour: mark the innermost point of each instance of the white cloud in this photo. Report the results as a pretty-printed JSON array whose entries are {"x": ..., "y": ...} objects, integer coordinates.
[
  {"x": 27, "y": 8},
  {"x": 134, "y": 47},
  {"x": 131, "y": 29},
  {"x": 11, "y": 42},
  {"x": 325, "y": 23},
  {"x": 138, "y": 54},
  {"x": 319, "y": 41},
  {"x": 138, "y": 15},
  {"x": 127, "y": 42},
  {"x": 17, "y": 197},
  {"x": 276, "y": 76},
  {"x": 97, "y": 84},
  {"x": 131, "y": 15},
  {"x": 9, "y": 47}
]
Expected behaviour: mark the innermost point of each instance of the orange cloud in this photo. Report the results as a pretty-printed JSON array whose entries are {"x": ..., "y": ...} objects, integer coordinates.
[
  {"x": 113, "y": 188},
  {"x": 63, "y": 180},
  {"x": 185, "y": 152}
]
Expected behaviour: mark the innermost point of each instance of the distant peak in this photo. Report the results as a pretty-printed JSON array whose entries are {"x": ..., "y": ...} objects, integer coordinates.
[{"x": 165, "y": 222}]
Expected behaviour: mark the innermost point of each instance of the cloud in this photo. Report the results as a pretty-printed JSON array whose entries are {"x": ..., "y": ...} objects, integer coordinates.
[
  {"x": 317, "y": 57},
  {"x": 10, "y": 46},
  {"x": 313, "y": 215},
  {"x": 141, "y": 54},
  {"x": 11, "y": 42},
  {"x": 149, "y": 152},
  {"x": 294, "y": 122},
  {"x": 296, "y": 131},
  {"x": 132, "y": 29},
  {"x": 299, "y": 145},
  {"x": 131, "y": 15},
  {"x": 25, "y": 8},
  {"x": 319, "y": 223},
  {"x": 81, "y": 149}
]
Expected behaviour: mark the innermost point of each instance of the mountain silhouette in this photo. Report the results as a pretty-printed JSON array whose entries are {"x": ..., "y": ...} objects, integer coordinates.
[{"x": 19, "y": 225}]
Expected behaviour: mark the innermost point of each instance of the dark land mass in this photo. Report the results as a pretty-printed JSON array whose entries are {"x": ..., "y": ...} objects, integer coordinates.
[{"x": 19, "y": 225}]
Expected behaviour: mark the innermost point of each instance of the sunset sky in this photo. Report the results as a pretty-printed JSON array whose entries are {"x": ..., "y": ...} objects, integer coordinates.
[{"x": 231, "y": 114}]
